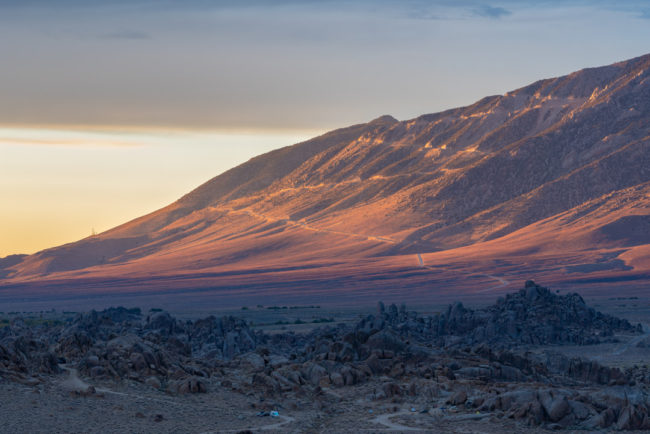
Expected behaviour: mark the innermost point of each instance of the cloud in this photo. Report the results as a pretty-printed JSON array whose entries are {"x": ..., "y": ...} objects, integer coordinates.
[
  {"x": 454, "y": 10},
  {"x": 423, "y": 15},
  {"x": 494, "y": 12},
  {"x": 77, "y": 142},
  {"x": 179, "y": 4},
  {"x": 59, "y": 137},
  {"x": 645, "y": 14},
  {"x": 71, "y": 142},
  {"x": 126, "y": 34}
]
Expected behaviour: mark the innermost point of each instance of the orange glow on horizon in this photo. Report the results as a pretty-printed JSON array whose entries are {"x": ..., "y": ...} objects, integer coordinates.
[{"x": 59, "y": 184}]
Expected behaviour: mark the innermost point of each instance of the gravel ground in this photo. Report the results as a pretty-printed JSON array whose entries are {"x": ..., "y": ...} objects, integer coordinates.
[{"x": 52, "y": 407}]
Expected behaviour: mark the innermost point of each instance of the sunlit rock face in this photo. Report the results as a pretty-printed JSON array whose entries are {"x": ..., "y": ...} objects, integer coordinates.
[{"x": 560, "y": 165}]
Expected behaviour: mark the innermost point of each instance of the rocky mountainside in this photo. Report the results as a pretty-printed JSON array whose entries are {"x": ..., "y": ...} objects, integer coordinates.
[
  {"x": 566, "y": 155},
  {"x": 448, "y": 361}
]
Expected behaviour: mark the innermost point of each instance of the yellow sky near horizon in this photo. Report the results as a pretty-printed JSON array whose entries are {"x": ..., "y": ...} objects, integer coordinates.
[{"x": 57, "y": 185}]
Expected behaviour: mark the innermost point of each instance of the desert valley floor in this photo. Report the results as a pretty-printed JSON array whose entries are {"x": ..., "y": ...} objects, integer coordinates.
[{"x": 324, "y": 369}]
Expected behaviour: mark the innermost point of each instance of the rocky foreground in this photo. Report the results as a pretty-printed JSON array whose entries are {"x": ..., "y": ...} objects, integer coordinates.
[{"x": 462, "y": 363}]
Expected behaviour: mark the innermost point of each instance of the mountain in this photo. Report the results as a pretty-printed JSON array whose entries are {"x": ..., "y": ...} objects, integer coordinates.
[{"x": 549, "y": 181}]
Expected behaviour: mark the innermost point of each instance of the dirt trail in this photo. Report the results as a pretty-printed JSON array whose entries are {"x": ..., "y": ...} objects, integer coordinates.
[
  {"x": 75, "y": 384},
  {"x": 625, "y": 346},
  {"x": 284, "y": 420},
  {"x": 356, "y": 180},
  {"x": 632, "y": 342},
  {"x": 384, "y": 420},
  {"x": 306, "y": 226},
  {"x": 502, "y": 282}
]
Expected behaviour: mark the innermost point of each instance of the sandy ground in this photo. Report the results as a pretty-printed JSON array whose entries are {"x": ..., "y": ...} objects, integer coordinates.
[{"x": 56, "y": 407}]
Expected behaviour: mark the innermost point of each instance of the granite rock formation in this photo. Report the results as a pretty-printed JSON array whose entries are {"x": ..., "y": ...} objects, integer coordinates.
[{"x": 495, "y": 360}]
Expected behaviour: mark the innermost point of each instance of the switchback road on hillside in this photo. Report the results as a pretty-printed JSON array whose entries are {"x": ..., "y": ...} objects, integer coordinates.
[
  {"x": 502, "y": 282},
  {"x": 304, "y": 225}
]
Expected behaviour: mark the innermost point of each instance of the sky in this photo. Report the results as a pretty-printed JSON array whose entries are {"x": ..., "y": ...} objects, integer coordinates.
[{"x": 111, "y": 109}]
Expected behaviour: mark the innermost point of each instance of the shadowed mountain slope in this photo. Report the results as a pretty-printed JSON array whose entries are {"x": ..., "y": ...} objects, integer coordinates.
[{"x": 570, "y": 153}]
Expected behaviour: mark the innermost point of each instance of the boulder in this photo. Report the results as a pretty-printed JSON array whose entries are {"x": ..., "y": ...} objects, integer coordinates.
[
  {"x": 457, "y": 398},
  {"x": 187, "y": 385},
  {"x": 253, "y": 362}
]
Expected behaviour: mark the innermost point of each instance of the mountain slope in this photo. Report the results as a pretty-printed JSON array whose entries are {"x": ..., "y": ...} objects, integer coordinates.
[{"x": 378, "y": 193}]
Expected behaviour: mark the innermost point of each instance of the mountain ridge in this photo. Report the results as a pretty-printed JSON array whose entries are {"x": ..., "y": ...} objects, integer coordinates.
[{"x": 389, "y": 188}]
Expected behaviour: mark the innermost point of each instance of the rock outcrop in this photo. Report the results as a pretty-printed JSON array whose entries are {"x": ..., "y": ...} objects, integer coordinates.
[
  {"x": 494, "y": 359},
  {"x": 533, "y": 316}
]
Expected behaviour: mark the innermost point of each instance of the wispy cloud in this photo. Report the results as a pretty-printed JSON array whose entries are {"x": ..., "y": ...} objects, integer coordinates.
[
  {"x": 458, "y": 10},
  {"x": 424, "y": 15},
  {"x": 494, "y": 12},
  {"x": 126, "y": 34},
  {"x": 67, "y": 142},
  {"x": 67, "y": 138},
  {"x": 645, "y": 14}
]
